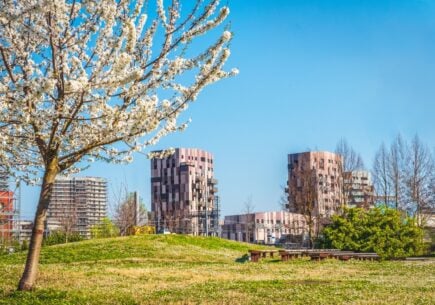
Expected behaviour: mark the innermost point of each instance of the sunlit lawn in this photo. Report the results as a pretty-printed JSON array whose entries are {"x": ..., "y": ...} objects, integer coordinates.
[{"x": 187, "y": 270}]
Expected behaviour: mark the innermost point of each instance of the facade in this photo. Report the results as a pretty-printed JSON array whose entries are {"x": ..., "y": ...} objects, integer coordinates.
[
  {"x": 4, "y": 185},
  {"x": 6, "y": 216},
  {"x": 315, "y": 178},
  {"x": 358, "y": 189},
  {"x": 428, "y": 218},
  {"x": 25, "y": 228},
  {"x": 77, "y": 204},
  {"x": 430, "y": 221},
  {"x": 183, "y": 193},
  {"x": 264, "y": 227}
]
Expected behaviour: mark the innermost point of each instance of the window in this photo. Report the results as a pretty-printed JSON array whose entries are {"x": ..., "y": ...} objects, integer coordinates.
[{"x": 322, "y": 163}]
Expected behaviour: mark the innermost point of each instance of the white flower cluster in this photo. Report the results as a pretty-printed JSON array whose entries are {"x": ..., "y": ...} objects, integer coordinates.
[{"x": 83, "y": 81}]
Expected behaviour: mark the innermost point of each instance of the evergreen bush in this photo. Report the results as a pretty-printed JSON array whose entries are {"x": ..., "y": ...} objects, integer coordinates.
[{"x": 382, "y": 230}]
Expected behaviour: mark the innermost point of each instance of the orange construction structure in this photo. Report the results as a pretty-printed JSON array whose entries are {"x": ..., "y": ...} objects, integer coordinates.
[{"x": 6, "y": 215}]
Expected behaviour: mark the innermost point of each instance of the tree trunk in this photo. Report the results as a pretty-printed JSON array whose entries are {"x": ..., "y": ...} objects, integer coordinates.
[
  {"x": 31, "y": 269},
  {"x": 310, "y": 233}
]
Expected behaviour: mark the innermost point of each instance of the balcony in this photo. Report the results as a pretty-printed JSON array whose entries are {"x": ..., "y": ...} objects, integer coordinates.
[
  {"x": 214, "y": 190},
  {"x": 212, "y": 181}
]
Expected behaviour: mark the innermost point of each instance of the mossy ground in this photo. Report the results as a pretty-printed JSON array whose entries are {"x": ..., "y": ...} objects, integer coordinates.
[{"x": 162, "y": 269}]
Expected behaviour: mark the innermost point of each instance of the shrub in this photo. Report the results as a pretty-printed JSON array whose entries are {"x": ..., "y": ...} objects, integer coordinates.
[
  {"x": 24, "y": 245},
  {"x": 59, "y": 237},
  {"x": 385, "y": 231},
  {"x": 10, "y": 246},
  {"x": 105, "y": 229}
]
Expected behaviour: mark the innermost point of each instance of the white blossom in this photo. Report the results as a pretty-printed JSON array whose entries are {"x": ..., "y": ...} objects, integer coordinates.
[
  {"x": 102, "y": 89},
  {"x": 226, "y": 35},
  {"x": 131, "y": 40}
]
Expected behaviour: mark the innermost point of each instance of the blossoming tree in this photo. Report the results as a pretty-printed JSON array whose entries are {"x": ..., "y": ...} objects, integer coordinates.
[{"x": 96, "y": 80}]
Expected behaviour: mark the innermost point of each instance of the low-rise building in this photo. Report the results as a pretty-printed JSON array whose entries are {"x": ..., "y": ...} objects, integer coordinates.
[
  {"x": 264, "y": 227},
  {"x": 428, "y": 218}
]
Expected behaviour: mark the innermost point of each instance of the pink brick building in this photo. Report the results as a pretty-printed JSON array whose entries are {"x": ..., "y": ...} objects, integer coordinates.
[
  {"x": 264, "y": 227},
  {"x": 358, "y": 189},
  {"x": 183, "y": 193},
  {"x": 319, "y": 172}
]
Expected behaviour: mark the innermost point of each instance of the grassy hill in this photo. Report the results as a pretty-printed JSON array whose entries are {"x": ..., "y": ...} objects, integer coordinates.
[{"x": 162, "y": 269}]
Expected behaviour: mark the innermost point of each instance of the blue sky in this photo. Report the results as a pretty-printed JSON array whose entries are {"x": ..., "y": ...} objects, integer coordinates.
[{"x": 311, "y": 72}]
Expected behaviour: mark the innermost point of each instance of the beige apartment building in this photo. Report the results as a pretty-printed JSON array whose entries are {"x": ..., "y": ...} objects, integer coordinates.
[{"x": 77, "y": 204}]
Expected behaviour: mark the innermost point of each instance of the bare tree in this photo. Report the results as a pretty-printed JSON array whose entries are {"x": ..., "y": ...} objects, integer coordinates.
[
  {"x": 419, "y": 179},
  {"x": 405, "y": 176},
  {"x": 429, "y": 211},
  {"x": 248, "y": 210},
  {"x": 303, "y": 198},
  {"x": 351, "y": 159},
  {"x": 68, "y": 220},
  {"x": 4, "y": 185},
  {"x": 171, "y": 222},
  {"x": 129, "y": 212},
  {"x": 397, "y": 171},
  {"x": 381, "y": 179},
  {"x": 84, "y": 81}
]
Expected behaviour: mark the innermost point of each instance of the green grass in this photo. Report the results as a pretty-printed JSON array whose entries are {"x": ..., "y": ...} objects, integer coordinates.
[{"x": 174, "y": 269}]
